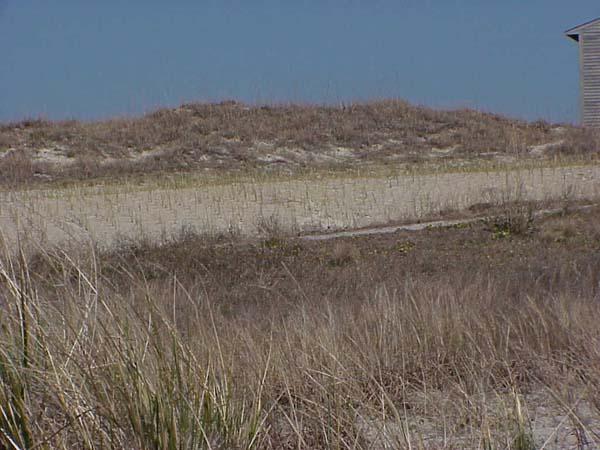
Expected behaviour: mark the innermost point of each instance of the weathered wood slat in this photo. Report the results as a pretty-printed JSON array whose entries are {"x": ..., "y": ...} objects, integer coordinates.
[{"x": 588, "y": 36}]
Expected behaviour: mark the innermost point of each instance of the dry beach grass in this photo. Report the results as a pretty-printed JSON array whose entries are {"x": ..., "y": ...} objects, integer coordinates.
[
  {"x": 186, "y": 314},
  {"x": 231, "y": 136},
  {"x": 476, "y": 336}
]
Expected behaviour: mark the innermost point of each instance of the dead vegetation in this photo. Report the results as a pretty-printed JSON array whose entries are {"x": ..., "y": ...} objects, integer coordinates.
[
  {"x": 234, "y": 136},
  {"x": 451, "y": 338}
]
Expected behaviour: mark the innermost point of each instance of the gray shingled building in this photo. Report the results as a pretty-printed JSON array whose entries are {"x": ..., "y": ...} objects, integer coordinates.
[{"x": 588, "y": 36}]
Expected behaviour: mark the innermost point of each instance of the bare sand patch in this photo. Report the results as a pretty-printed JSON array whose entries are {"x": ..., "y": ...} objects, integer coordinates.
[{"x": 107, "y": 214}]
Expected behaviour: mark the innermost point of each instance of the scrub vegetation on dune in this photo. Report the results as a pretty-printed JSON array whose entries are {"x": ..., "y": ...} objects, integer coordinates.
[
  {"x": 233, "y": 136},
  {"x": 178, "y": 310},
  {"x": 476, "y": 336}
]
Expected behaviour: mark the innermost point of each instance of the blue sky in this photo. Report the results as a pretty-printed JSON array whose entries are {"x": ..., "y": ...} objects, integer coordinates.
[{"x": 90, "y": 59}]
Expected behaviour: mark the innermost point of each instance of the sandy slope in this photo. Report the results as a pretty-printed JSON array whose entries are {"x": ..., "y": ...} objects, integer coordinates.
[{"x": 108, "y": 214}]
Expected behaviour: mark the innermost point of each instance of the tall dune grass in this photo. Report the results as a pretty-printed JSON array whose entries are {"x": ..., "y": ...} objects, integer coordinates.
[{"x": 134, "y": 350}]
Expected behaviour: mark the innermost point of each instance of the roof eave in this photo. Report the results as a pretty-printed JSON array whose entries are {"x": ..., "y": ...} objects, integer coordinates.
[{"x": 574, "y": 32}]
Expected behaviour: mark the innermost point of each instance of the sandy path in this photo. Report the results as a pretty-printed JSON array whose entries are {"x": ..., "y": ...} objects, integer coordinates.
[
  {"x": 107, "y": 214},
  {"x": 420, "y": 226}
]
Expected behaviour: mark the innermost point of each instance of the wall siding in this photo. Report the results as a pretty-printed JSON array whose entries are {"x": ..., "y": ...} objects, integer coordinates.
[{"x": 589, "y": 42}]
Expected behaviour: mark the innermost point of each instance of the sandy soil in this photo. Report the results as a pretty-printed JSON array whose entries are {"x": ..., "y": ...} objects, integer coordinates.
[
  {"x": 109, "y": 214},
  {"x": 550, "y": 426}
]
